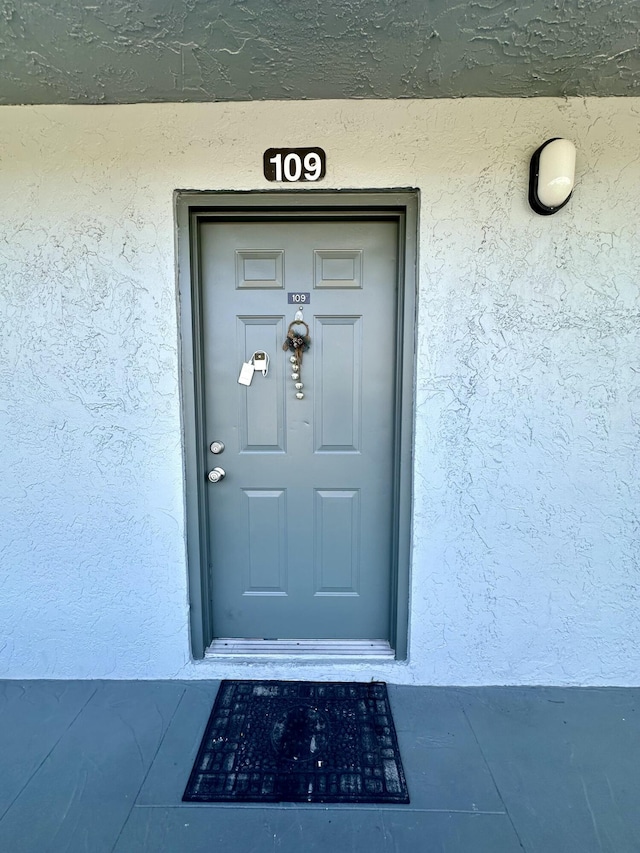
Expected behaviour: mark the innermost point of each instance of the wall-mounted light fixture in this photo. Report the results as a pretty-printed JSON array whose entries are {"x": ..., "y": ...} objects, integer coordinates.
[{"x": 551, "y": 176}]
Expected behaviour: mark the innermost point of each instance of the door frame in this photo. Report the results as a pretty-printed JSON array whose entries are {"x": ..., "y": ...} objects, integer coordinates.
[{"x": 191, "y": 208}]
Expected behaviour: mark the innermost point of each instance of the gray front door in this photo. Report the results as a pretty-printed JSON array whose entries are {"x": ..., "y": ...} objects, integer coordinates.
[{"x": 301, "y": 527}]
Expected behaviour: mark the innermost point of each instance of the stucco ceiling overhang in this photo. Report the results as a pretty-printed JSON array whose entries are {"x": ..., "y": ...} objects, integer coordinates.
[{"x": 131, "y": 51}]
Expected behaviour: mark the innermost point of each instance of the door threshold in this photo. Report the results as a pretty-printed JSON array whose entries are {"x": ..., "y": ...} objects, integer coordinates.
[{"x": 378, "y": 649}]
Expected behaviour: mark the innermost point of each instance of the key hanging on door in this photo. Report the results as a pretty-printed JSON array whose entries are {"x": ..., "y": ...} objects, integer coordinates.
[{"x": 259, "y": 361}]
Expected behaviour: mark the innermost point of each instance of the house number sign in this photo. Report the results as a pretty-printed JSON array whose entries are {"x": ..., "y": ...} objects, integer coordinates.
[
  {"x": 295, "y": 165},
  {"x": 297, "y": 298}
]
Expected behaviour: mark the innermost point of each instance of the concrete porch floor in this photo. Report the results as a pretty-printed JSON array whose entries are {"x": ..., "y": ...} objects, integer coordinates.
[{"x": 101, "y": 767}]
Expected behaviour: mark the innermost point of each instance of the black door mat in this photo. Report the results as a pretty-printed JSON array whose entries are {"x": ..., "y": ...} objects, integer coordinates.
[{"x": 299, "y": 741}]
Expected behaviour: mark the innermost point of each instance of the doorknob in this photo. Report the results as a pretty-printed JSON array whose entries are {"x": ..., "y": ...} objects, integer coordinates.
[{"x": 216, "y": 475}]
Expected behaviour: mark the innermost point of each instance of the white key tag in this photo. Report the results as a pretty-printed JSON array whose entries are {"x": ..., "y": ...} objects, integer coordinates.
[{"x": 246, "y": 373}]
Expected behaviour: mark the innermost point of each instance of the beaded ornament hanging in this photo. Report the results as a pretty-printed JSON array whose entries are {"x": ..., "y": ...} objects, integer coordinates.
[{"x": 297, "y": 343}]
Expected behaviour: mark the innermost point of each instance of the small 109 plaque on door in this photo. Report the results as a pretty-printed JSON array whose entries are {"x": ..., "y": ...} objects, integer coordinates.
[{"x": 295, "y": 165}]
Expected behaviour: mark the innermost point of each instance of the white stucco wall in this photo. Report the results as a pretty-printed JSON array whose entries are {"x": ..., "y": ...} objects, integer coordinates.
[{"x": 525, "y": 557}]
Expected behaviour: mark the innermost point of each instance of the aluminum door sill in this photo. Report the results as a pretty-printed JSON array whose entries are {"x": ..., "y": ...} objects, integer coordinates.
[{"x": 377, "y": 649}]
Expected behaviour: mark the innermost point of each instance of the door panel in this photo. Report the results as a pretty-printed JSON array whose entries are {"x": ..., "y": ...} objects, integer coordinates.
[
  {"x": 337, "y": 542},
  {"x": 264, "y": 520},
  {"x": 261, "y": 413},
  {"x": 338, "y": 397},
  {"x": 301, "y": 527}
]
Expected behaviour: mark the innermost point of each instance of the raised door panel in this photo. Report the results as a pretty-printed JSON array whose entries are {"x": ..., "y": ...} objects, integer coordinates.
[{"x": 338, "y": 384}]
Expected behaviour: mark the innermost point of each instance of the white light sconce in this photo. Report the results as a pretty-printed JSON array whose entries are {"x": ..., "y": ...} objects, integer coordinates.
[{"x": 551, "y": 176}]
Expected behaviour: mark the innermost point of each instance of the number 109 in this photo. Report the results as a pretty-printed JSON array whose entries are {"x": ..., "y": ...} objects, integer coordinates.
[{"x": 292, "y": 167}]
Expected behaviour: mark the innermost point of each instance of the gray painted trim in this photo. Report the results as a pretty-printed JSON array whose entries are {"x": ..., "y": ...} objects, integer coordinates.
[
  {"x": 187, "y": 272},
  {"x": 190, "y": 208},
  {"x": 405, "y": 414}
]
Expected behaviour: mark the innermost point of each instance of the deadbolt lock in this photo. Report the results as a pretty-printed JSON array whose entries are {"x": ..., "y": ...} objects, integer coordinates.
[{"x": 216, "y": 447}]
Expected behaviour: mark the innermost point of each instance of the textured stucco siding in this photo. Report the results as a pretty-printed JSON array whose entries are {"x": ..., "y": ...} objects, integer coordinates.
[
  {"x": 525, "y": 536},
  {"x": 56, "y": 51}
]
